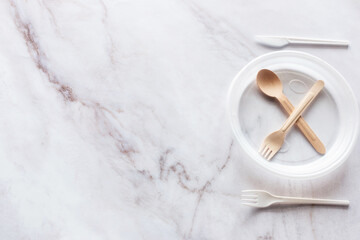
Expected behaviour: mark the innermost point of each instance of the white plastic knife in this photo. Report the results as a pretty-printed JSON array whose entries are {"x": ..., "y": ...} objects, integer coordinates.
[{"x": 281, "y": 41}]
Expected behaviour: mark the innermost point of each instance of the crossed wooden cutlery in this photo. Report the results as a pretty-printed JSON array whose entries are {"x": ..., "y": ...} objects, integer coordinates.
[{"x": 271, "y": 85}]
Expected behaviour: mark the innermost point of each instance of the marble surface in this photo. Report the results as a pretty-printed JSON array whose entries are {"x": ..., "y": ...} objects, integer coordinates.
[{"x": 113, "y": 121}]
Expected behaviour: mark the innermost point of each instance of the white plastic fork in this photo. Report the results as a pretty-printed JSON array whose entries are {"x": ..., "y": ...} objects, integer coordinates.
[{"x": 263, "y": 199}]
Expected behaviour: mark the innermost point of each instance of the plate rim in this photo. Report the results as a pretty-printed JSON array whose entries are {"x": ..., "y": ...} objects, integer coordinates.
[{"x": 331, "y": 167}]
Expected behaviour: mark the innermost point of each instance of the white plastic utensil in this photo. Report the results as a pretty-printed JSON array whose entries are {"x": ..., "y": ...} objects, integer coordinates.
[
  {"x": 263, "y": 199},
  {"x": 282, "y": 41}
]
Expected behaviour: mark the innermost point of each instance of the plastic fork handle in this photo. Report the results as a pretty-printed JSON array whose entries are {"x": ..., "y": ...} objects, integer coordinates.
[
  {"x": 303, "y": 126},
  {"x": 305, "y": 102},
  {"x": 317, "y": 201}
]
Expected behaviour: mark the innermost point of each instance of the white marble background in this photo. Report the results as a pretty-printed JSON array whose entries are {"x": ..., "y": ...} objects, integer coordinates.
[{"x": 113, "y": 124}]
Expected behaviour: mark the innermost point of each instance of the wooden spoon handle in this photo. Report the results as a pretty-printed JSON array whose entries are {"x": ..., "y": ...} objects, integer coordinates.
[
  {"x": 303, "y": 126},
  {"x": 305, "y": 102}
]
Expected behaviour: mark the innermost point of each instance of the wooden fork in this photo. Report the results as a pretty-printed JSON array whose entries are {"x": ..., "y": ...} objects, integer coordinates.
[{"x": 272, "y": 143}]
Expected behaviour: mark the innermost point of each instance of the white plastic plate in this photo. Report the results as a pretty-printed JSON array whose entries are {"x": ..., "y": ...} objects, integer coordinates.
[{"x": 333, "y": 116}]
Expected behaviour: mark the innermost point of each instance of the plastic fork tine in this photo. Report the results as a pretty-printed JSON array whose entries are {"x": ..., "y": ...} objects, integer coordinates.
[
  {"x": 249, "y": 191},
  {"x": 249, "y": 199},
  {"x": 252, "y": 200},
  {"x": 249, "y": 196},
  {"x": 249, "y": 204}
]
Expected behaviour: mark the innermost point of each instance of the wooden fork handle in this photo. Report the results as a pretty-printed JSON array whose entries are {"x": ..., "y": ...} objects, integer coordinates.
[
  {"x": 305, "y": 102},
  {"x": 303, "y": 126}
]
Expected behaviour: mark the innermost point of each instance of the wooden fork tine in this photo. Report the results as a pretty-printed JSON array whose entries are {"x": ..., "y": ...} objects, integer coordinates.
[
  {"x": 268, "y": 154},
  {"x": 264, "y": 150},
  {"x": 263, "y": 145},
  {"x": 271, "y": 155}
]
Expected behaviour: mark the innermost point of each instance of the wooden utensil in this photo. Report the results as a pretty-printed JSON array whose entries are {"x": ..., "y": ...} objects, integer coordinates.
[
  {"x": 270, "y": 84},
  {"x": 272, "y": 143}
]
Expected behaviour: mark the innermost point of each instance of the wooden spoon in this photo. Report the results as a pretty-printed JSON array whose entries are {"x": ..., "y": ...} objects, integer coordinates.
[{"x": 270, "y": 84}]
